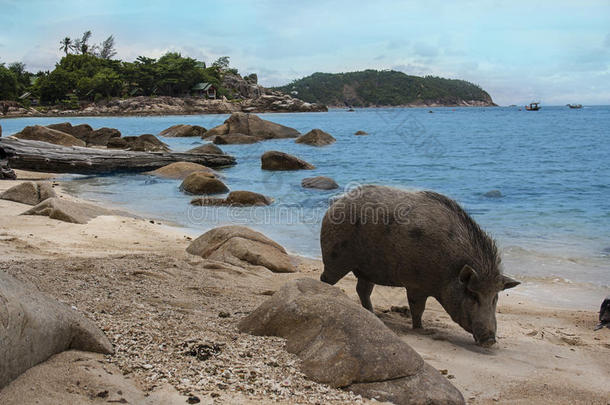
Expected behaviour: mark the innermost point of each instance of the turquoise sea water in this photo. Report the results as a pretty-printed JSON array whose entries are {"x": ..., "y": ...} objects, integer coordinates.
[{"x": 551, "y": 166}]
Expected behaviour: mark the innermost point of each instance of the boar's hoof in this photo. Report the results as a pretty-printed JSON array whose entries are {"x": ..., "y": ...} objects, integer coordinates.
[{"x": 487, "y": 342}]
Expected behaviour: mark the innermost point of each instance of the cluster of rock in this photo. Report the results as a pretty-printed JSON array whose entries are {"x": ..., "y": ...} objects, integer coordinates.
[
  {"x": 269, "y": 101},
  {"x": 65, "y": 134},
  {"x": 46, "y": 203}
]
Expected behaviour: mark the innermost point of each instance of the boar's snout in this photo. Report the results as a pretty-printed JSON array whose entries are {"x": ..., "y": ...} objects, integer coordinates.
[{"x": 486, "y": 342}]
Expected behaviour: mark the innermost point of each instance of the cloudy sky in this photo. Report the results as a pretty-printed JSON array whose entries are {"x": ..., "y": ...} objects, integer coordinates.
[{"x": 553, "y": 51}]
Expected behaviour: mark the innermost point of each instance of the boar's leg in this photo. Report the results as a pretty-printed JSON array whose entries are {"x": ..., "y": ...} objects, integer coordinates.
[
  {"x": 417, "y": 304},
  {"x": 364, "y": 288}
]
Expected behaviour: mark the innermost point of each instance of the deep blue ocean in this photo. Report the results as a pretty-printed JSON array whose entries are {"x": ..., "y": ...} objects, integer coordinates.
[{"x": 552, "y": 168}]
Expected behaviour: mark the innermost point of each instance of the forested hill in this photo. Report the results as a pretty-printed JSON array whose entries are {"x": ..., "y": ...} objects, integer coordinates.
[{"x": 386, "y": 88}]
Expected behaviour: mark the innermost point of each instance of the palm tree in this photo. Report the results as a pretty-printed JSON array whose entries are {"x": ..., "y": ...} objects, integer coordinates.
[{"x": 66, "y": 44}]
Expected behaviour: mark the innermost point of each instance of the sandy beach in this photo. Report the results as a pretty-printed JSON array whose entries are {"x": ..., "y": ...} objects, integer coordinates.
[{"x": 155, "y": 302}]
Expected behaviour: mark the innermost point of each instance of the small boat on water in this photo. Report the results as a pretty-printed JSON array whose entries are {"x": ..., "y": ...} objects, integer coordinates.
[
  {"x": 574, "y": 105},
  {"x": 532, "y": 107}
]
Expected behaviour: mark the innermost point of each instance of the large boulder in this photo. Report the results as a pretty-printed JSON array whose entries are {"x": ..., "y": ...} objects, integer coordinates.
[
  {"x": 202, "y": 183},
  {"x": 234, "y": 139},
  {"x": 274, "y": 160},
  {"x": 242, "y": 247},
  {"x": 101, "y": 136},
  {"x": 183, "y": 131},
  {"x": 236, "y": 199},
  {"x": 44, "y": 134},
  {"x": 250, "y": 124},
  {"x": 344, "y": 345},
  {"x": 77, "y": 131},
  {"x": 33, "y": 327},
  {"x": 319, "y": 182},
  {"x": 142, "y": 143},
  {"x": 68, "y": 211},
  {"x": 180, "y": 170},
  {"x": 207, "y": 148},
  {"x": 29, "y": 193},
  {"x": 85, "y": 133},
  {"x": 316, "y": 137}
]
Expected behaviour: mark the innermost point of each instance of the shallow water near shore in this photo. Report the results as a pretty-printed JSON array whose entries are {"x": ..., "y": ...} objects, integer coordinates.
[{"x": 551, "y": 167}]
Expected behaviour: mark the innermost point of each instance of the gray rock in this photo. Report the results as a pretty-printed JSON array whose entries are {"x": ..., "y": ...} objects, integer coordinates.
[
  {"x": 33, "y": 327},
  {"x": 242, "y": 247},
  {"x": 78, "y": 131},
  {"x": 316, "y": 137},
  {"x": 44, "y": 134},
  {"x": 101, "y": 137},
  {"x": 319, "y": 182},
  {"x": 234, "y": 139},
  {"x": 68, "y": 211},
  {"x": 29, "y": 193},
  {"x": 183, "y": 131},
  {"x": 274, "y": 160},
  {"x": 250, "y": 124},
  {"x": 236, "y": 199},
  {"x": 142, "y": 143},
  {"x": 202, "y": 183},
  {"x": 207, "y": 148},
  {"x": 493, "y": 194},
  {"x": 343, "y": 345}
]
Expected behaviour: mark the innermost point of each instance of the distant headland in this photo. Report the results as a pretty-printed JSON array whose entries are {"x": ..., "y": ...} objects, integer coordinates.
[{"x": 374, "y": 88}]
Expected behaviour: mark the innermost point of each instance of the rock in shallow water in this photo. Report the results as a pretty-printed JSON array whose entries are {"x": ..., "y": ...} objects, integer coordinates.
[
  {"x": 320, "y": 182},
  {"x": 180, "y": 170},
  {"x": 202, "y": 183},
  {"x": 44, "y": 134},
  {"x": 236, "y": 199},
  {"x": 274, "y": 160},
  {"x": 207, "y": 148},
  {"x": 183, "y": 131},
  {"x": 343, "y": 345},
  {"x": 250, "y": 124},
  {"x": 316, "y": 137}
]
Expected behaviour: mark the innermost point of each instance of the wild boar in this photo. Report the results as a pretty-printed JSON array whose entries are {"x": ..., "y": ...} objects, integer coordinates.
[{"x": 420, "y": 240}]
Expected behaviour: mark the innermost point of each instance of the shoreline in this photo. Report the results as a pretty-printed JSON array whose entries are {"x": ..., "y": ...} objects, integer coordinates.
[{"x": 135, "y": 280}]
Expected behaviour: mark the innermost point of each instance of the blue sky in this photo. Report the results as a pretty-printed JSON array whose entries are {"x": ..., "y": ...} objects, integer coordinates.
[{"x": 554, "y": 51}]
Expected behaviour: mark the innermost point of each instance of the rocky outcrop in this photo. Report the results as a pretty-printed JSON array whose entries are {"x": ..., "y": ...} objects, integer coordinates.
[
  {"x": 274, "y": 160},
  {"x": 250, "y": 124},
  {"x": 202, "y": 183},
  {"x": 207, "y": 148},
  {"x": 33, "y": 327},
  {"x": 343, "y": 345},
  {"x": 44, "y": 134},
  {"x": 316, "y": 137},
  {"x": 68, "y": 211},
  {"x": 236, "y": 199},
  {"x": 183, "y": 131},
  {"x": 234, "y": 139},
  {"x": 242, "y": 247},
  {"x": 85, "y": 133},
  {"x": 78, "y": 131},
  {"x": 29, "y": 193},
  {"x": 180, "y": 170},
  {"x": 242, "y": 87},
  {"x": 142, "y": 143},
  {"x": 319, "y": 182}
]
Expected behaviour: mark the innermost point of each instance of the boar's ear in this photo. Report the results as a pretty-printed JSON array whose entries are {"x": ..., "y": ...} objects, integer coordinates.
[
  {"x": 508, "y": 282},
  {"x": 467, "y": 274}
]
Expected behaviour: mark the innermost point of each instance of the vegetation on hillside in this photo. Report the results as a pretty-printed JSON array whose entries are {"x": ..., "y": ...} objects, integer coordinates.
[
  {"x": 382, "y": 88},
  {"x": 88, "y": 72}
]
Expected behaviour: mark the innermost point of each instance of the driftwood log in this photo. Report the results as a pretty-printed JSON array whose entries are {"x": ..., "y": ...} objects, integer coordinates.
[{"x": 46, "y": 157}]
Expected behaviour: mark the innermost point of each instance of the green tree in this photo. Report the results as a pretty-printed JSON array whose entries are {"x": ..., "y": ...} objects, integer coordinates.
[
  {"x": 107, "y": 50},
  {"x": 81, "y": 45},
  {"x": 66, "y": 45},
  {"x": 8, "y": 84}
]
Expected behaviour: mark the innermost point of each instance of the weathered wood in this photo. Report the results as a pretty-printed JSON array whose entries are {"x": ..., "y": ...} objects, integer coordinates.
[{"x": 46, "y": 157}]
